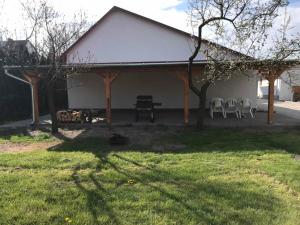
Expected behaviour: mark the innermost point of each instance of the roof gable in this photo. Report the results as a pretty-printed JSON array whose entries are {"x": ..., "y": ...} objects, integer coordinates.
[{"x": 122, "y": 36}]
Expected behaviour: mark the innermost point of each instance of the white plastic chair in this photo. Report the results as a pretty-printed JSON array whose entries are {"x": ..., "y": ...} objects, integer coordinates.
[
  {"x": 231, "y": 106},
  {"x": 217, "y": 105},
  {"x": 246, "y": 106}
]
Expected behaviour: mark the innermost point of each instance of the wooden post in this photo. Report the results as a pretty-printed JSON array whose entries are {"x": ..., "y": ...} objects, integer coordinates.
[
  {"x": 186, "y": 90},
  {"x": 271, "y": 100},
  {"x": 107, "y": 89},
  {"x": 271, "y": 76},
  {"x": 108, "y": 78},
  {"x": 34, "y": 81}
]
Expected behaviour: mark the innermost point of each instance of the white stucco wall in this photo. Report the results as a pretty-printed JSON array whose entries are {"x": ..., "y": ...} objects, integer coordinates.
[
  {"x": 285, "y": 93},
  {"x": 263, "y": 88},
  {"x": 283, "y": 85},
  {"x": 288, "y": 80},
  {"x": 86, "y": 90},
  {"x": 121, "y": 37}
]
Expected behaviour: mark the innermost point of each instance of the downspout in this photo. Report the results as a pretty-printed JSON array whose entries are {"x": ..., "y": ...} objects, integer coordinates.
[{"x": 26, "y": 82}]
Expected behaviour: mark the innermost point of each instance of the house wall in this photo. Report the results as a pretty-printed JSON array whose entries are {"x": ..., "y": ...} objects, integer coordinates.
[
  {"x": 87, "y": 90},
  {"x": 121, "y": 37},
  {"x": 289, "y": 79},
  {"x": 285, "y": 93},
  {"x": 283, "y": 85},
  {"x": 263, "y": 88}
]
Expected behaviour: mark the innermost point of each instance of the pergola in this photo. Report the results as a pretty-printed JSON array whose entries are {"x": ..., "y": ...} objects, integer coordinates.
[{"x": 270, "y": 70}]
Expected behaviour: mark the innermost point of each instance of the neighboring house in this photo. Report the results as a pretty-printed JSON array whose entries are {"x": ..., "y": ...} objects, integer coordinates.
[
  {"x": 14, "y": 96},
  {"x": 287, "y": 87},
  {"x": 17, "y": 52},
  {"x": 145, "y": 58}
]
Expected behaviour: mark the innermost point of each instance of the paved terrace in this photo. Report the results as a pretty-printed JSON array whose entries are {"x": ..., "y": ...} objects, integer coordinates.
[
  {"x": 287, "y": 114},
  {"x": 175, "y": 118}
]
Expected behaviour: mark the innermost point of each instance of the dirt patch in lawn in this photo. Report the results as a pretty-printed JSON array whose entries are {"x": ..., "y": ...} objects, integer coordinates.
[{"x": 10, "y": 147}]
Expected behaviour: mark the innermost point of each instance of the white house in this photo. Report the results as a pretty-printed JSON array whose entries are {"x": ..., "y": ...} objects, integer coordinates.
[
  {"x": 286, "y": 87},
  {"x": 131, "y": 55}
]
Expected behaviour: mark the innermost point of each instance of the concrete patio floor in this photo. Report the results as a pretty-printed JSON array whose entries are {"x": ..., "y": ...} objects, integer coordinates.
[
  {"x": 175, "y": 118},
  {"x": 287, "y": 114},
  {"x": 287, "y": 108},
  {"x": 44, "y": 121}
]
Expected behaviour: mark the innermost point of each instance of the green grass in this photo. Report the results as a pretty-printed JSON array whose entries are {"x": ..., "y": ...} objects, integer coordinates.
[
  {"x": 223, "y": 177},
  {"x": 21, "y": 138}
]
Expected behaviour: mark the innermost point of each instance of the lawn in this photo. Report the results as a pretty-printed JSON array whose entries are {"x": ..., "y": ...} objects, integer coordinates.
[{"x": 222, "y": 177}]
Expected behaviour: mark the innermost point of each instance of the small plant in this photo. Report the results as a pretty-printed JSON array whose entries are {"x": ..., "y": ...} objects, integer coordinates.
[
  {"x": 68, "y": 220},
  {"x": 131, "y": 182}
]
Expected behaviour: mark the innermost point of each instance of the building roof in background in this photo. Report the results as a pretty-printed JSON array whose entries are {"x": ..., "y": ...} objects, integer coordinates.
[{"x": 17, "y": 45}]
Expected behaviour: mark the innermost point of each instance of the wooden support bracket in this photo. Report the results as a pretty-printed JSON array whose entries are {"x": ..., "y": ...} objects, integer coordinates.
[
  {"x": 108, "y": 78},
  {"x": 271, "y": 76}
]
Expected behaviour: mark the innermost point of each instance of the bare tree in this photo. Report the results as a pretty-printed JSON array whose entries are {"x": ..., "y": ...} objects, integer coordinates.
[
  {"x": 241, "y": 23},
  {"x": 2, "y": 2},
  {"x": 51, "y": 35}
]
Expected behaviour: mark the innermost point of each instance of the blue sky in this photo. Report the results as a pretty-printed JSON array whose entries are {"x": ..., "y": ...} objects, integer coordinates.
[
  {"x": 294, "y": 2},
  {"x": 182, "y": 6}
]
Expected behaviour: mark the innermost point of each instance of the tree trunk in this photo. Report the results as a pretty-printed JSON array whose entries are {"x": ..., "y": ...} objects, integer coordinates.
[
  {"x": 52, "y": 108},
  {"x": 202, "y": 104}
]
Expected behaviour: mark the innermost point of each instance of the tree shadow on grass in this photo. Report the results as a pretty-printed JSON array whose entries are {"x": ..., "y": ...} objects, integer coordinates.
[
  {"x": 96, "y": 202},
  {"x": 233, "y": 195},
  {"x": 240, "y": 140},
  {"x": 201, "y": 200},
  {"x": 209, "y": 140}
]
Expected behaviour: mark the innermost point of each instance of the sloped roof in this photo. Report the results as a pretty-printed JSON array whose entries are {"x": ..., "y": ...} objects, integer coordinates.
[
  {"x": 16, "y": 44},
  {"x": 115, "y": 9}
]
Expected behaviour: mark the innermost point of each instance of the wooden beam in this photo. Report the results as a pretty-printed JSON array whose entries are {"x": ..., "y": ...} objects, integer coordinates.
[
  {"x": 271, "y": 100},
  {"x": 34, "y": 81},
  {"x": 186, "y": 92},
  {"x": 108, "y": 78},
  {"x": 271, "y": 76},
  {"x": 165, "y": 69},
  {"x": 107, "y": 89}
]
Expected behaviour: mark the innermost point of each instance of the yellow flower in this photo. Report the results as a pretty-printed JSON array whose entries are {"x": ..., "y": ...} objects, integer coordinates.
[
  {"x": 67, "y": 219},
  {"x": 131, "y": 182}
]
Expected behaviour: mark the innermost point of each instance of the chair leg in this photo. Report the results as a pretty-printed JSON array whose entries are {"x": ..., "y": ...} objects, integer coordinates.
[
  {"x": 241, "y": 114},
  {"x": 251, "y": 113},
  {"x": 211, "y": 114},
  {"x": 237, "y": 114},
  {"x": 152, "y": 117},
  {"x": 224, "y": 114}
]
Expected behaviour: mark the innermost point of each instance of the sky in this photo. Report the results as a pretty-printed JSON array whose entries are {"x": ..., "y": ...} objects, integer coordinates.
[{"x": 170, "y": 12}]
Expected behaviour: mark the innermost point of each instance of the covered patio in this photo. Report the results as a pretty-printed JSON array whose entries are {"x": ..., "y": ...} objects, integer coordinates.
[
  {"x": 174, "y": 118},
  {"x": 109, "y": 73}
]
